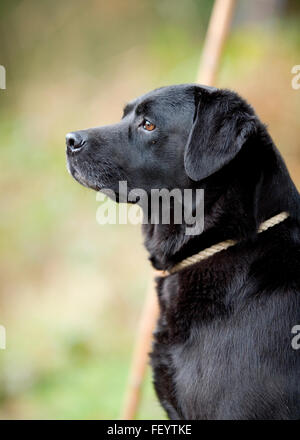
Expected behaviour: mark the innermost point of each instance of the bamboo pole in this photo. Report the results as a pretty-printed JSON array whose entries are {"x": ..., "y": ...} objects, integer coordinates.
[
  {"x": 217, "y": 32},
  {"x": 141, "y": 353},
  {"x": 214, "y": 42}
]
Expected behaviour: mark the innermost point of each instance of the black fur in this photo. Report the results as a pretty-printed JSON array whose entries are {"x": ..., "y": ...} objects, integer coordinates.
[{"x": 222, "y": 345}]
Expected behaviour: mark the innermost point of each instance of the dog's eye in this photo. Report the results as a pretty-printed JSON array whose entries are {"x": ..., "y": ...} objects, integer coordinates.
[{"x": 147, "y": 125}]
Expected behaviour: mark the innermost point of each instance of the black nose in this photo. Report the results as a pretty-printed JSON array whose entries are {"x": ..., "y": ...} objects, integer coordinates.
[{"x": 75, "y": 141}]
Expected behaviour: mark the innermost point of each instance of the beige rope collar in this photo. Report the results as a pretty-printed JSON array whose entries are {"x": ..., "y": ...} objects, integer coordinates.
[{"x": 206, "y": 253}]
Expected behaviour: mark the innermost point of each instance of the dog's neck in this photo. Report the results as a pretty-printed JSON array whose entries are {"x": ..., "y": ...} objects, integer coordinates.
[{"x": 237, "y": 200}]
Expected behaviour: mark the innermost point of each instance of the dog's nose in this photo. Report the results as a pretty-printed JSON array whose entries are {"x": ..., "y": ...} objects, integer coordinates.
[{"x": 75, "y": 141}]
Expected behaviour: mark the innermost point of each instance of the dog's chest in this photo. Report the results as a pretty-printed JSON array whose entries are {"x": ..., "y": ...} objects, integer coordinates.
[
  {"x": 192, "y": 335},
  {"x": 186, "y": 329},
  {"x": 198, "y": 296}
]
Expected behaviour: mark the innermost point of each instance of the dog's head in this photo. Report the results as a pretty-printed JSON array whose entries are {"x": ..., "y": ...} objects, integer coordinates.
[{"x": 168, "y": 138}]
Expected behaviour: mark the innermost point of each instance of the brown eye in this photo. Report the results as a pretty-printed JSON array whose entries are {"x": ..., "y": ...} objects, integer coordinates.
[{"x": 147, "y": 125}]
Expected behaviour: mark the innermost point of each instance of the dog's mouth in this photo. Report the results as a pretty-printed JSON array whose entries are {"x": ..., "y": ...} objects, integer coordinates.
[{"x": 77, "y": 175}]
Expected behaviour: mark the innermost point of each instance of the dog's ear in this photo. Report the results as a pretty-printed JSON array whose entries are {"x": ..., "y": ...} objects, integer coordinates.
[{"x": 222, "y": 124}]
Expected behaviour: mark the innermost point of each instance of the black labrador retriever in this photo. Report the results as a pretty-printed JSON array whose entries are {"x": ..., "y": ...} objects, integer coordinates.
[{"x": 223, "y": 344}]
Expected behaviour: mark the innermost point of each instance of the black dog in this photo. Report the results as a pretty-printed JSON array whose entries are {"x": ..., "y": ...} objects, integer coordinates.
[{"x": 222, "y": 346}]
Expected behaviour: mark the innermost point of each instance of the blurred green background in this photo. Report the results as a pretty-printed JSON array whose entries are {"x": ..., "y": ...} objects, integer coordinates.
[{"x": 70, "y": 318}]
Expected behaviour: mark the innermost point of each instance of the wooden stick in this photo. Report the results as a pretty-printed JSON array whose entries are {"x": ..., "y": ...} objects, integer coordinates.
[
  {"x": 217, "y": 32},
  {"x": 141, "y": 353},
  {"x": 214, "y": 42}
]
